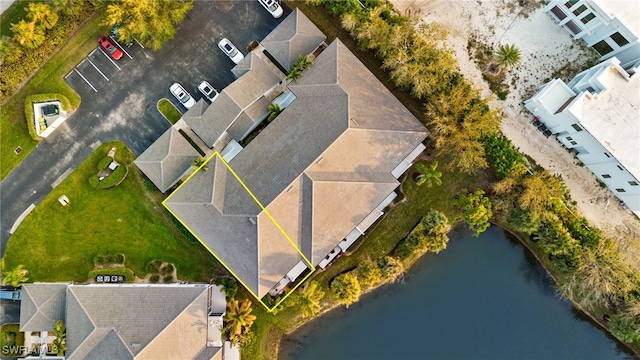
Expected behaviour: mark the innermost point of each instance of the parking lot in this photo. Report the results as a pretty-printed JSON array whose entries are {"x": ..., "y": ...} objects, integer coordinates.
[{"x": 190, "y": 58}]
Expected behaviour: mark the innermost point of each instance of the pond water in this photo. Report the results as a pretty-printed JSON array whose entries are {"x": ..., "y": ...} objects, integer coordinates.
[{"x": 481, "y": 298}]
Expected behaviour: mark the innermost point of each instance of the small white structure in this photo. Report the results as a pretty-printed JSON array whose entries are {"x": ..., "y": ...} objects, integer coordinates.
[
  {"x": 598, "y": 115},
  {"x": 610, "y": 27},
  {"x": 45, "y": 120}
]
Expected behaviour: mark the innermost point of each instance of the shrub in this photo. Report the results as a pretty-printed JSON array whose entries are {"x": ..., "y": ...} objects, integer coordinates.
[
  {"x": 625, "y": 328},
  {"x": 149, "y": 185},
  {"x": 184, "y": 231},
  {"x": 345, "y": 288},
  {"x": 167, "y": 269},
  {"x": 154, "y": 279},
  {"x": 153, "y": 266},
  {"x": 38, "y": 98},
  {"x": 411, "y": 245},
  {"x": 229, "y": 286},
  {"x": 167, "y": 279},
  {"x": 104, "y": 163},
  {"x": 103, "y": 259},
  {"x": 501, "y": 154}
]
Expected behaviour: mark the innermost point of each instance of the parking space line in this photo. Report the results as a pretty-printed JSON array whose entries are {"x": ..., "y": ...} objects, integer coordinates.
[
  {"x": 91, "y": 53},
  {"x": 101, "y": 73},
  {"x": 107, "y": 56},
  {"x": 120, "y": 46},
  {"x": 69, "y": 73},
  {"x": 85, "y": 79}
]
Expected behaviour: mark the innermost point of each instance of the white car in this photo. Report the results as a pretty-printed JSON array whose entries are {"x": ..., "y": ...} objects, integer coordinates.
[
  {"x": 272, "y": 7},
  {"x": 208, "y": 91},
  {"x": 182, "y": 95},
  {"x": 230, "y": 50}
]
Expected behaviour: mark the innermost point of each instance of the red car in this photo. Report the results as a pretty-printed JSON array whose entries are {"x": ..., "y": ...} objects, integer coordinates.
[{"x": 110, "y": 48}]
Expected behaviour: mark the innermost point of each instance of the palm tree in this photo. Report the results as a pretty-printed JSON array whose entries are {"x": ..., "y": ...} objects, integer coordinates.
[
  {"x": 200, "y": 161},
  {"x": 27, "y": 35},
  {"x": 304, "y": 62},
  {"x": 274, "y": 110},
  {"x": 238, "y": 319},
  {"x": 294, "y": 74},
  {"x": 508, "y": 56},
  {"x": 429, "y": 175},
  {"x": 42, "y": 14},
  {"x": 308, "y": 300}
]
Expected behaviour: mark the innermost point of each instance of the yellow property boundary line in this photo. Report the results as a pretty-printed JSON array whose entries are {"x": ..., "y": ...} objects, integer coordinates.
[{"x": 216, "y": 154}]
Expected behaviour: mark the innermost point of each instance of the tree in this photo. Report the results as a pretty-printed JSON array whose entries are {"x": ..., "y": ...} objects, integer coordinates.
[
  {"x": 238, "y": 319},
  {"x": 303, "y": 62},
  {"x": 368, "y": 273},
  {"x": 475, "y": 209},
  {"x": 308, "y": 300},
  {"x": 294, "y": 74},
  {"x": 345, "y": 288},
  {"x": 42, "y": 14},
  {"x": 200, "y": 161},
  {"x": 60, "y": 342},
  {"x": 15, "y": 277},
  {"x": 508, "y": 56},
  {"x": 150, "y": 22},
  {"x": 274, "y": 111},
  {"x": 27, "y": 34},
  {"x": 391, "y": 268},
  {"x": 429, "y": 175}
]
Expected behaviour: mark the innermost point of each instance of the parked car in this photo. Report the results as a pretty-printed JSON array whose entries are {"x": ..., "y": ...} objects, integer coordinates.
[
  {"x": 208, "y": 91},
  {"x": 182, "y": 95},
  {"x": 272, "y": 7},
  {"x": 230, "y": 50},
  {"x": 110, "y": 48},
  {"x": 11, "y": 294}
]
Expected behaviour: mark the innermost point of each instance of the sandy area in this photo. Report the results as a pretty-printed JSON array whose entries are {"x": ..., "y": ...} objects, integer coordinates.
[{"x": 544, "y": 48}]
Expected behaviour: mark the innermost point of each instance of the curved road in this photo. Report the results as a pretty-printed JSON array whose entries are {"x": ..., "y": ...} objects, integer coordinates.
[{"x": 124, "y": 108}]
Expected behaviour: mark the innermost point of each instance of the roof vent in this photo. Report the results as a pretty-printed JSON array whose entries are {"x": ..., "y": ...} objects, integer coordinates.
[
  {"x": 319, "y": 159},
  {"x": 290, "y": 188},
  {"x": 252, "y": 220},
  {"x": 135, "y": 346},
  {"x": 354, "y": 122}
]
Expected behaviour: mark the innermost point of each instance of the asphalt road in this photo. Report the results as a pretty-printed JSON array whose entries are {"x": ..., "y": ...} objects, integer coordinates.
[{"x": 124, "y": 107}]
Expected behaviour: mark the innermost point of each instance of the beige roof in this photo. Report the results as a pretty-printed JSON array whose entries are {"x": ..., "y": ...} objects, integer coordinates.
[
  {"x": 167, "y": 159},
  {"x": 319, "y": 169}
]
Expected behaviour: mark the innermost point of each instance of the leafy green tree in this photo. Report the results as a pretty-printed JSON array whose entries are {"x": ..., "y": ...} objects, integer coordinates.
[
  {"x": 345, "y": 288},
  {"x": 412, "y": 246},
  {"x": 15, "y": 277},
  {"x": 475, "y": 209},
  {"x": 238, "y": 319},
  {"x": 42, "y": 14},
  {"x": 60, "y": 342},
  {"x": 508, "y": 56},
  {"x": 229, "y": 286},
  {"x": 368, "y": 273},
  {"x": 274, "y": 111},
  {"x": 391, "y": 268},
  {"x": 27, "y": 34},
  {"x": 429, "y": 174},
  {"x": 625, "y": 328},
  {"x": 502, "y": 155},
  {"x": 308, "y": 300},
  {"x": 150, "y": 22},
  {"x": 435, "y": 222}
]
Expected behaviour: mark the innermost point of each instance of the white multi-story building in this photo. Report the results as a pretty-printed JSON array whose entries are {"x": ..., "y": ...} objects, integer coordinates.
[
  {"x": 611, "y": 27},
  {"x": 598, "y": 115}
]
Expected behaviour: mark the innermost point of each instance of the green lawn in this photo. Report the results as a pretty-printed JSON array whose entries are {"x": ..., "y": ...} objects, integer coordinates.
[
  {"x": 57, "y": 243},
  {"x": 49, "y": 79},
  {"x": 169, "y": 111}
]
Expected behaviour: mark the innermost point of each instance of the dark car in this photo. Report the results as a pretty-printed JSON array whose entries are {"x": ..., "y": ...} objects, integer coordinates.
[{"x": 110, "y": 48}]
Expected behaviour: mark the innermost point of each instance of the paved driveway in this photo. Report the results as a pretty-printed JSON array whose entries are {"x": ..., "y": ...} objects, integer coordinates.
[{"x": 124, "y": 108}]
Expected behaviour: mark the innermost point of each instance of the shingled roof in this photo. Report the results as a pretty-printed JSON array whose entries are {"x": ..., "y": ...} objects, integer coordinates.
[
  {"x": 319, "y": 170},
  {"x": 41, "y": 306},
  {"x": 295, "y": 35},
  {"x": 167, "y": 159}
]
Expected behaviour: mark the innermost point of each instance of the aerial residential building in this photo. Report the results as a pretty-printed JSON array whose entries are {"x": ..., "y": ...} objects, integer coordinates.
[
  {"x": 315, "y": 179},
  {"x": 611, "y": 27},
  {"x": 598, "y": 115},
  {"x": 125, "y": 321}
]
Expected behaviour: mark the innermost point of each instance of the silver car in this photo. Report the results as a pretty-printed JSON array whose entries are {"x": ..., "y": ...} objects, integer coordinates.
[{"x": 182, "y": 95}]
